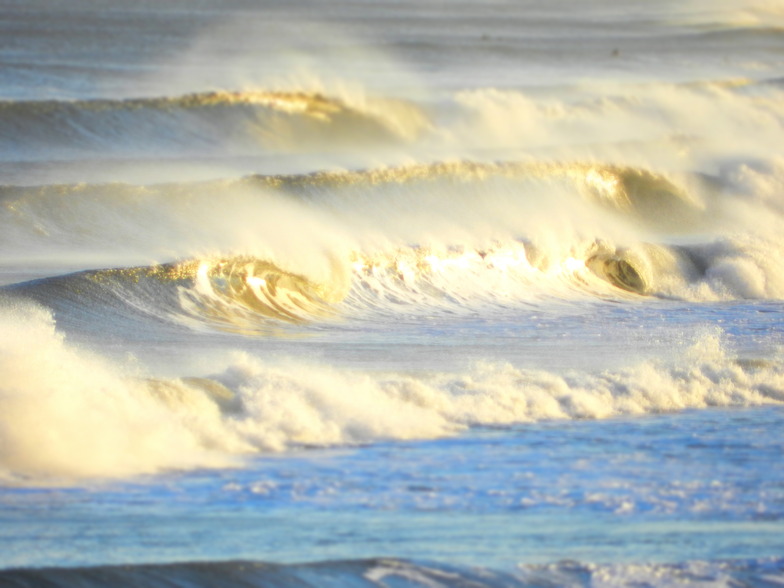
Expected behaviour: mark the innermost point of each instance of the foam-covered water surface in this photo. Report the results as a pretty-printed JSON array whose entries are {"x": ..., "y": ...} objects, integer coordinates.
[{"x": 494, "y": 497}]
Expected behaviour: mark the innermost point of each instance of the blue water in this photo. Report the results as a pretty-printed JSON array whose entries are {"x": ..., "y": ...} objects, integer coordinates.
[{"x": 691, "y": 486}]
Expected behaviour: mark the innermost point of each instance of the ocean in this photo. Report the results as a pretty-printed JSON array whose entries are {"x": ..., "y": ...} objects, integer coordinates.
[{"x": 391, "y": 293}]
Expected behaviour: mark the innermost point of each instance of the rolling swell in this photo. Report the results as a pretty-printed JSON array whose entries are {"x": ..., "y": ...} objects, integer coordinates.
[
  {"x": 400, "y": 573},
  {"x": 644, "y": 193},
  {"x": 638, "y": 191},
  {"x": 647, "y": 197},
  {"x": 199, "y": 123}
]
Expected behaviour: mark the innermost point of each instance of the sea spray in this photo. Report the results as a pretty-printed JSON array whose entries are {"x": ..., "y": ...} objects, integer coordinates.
[{"x": 67, "y": 413}]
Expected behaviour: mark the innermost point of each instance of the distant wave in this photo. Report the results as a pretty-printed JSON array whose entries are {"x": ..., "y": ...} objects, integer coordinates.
[
  {"x": 653, "y": 197},
  {"x": 635, "y": 190},
  {"x": 230, "y": 124},
  {"x": 201, "y": 123},
  {"x": 387, "y": 572}
]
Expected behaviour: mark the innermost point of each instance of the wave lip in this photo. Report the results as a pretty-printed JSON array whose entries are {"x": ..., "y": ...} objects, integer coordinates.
[{"x": 240, "y": 294}]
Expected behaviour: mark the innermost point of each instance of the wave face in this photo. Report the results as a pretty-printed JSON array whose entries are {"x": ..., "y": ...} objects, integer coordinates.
[
  {"x": 392, "y": 572},
  {"x": 238, "y": 294}
]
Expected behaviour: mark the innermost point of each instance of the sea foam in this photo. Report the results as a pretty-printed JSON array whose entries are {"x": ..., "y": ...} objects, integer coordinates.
[{"x": 68, "y": 414}]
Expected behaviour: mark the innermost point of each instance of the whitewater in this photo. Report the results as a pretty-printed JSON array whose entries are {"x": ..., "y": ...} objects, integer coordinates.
[{"x": 391, "y": 293}]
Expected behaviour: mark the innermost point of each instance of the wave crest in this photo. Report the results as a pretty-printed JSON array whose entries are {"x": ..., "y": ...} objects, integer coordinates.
[{"x": 237, "y": 294}]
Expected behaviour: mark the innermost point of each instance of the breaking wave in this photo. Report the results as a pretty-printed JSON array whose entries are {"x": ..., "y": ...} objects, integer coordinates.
[
  {"x": 447, "y": 236},
  {"x": 70, "y": 414},
  {"x": 254, "y": 296}
]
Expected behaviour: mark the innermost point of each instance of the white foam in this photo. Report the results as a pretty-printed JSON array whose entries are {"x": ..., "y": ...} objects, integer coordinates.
[{"x": 66, "y": 414}]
